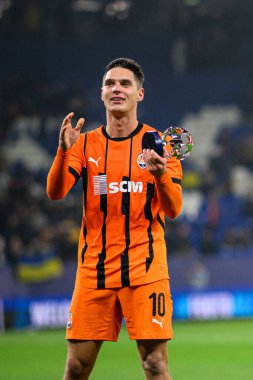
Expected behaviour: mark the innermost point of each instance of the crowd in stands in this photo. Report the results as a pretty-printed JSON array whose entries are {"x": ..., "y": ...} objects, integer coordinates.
[
  {"x": 33, "y": 228},
  {"x": 195, "y": 34}
]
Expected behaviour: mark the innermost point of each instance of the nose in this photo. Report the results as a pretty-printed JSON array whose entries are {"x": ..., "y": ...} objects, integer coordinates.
[{"x": 116, "y": 87}]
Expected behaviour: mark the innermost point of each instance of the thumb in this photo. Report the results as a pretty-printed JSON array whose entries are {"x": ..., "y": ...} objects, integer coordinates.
[{"x": 79, "y": 124}]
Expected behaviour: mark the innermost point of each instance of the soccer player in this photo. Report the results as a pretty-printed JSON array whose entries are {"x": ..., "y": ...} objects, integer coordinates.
[{"x": 122, "y": 263}]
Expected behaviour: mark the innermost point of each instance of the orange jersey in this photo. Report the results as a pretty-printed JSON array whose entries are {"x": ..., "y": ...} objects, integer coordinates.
[{"x": 122, "y": 235}]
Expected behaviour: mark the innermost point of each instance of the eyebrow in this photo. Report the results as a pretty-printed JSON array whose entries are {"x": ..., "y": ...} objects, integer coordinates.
[{"x": 124, "y": 80}]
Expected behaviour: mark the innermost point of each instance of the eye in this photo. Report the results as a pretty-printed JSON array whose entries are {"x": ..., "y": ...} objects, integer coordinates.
[
  {"x": 126, "y": 83},
  {"x": 108, "y": 83}
]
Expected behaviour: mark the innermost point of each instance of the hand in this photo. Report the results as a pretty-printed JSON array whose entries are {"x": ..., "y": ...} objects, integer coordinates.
[
  {"x": 68, "y": 134},
  {"x": 155, "y": 163}
]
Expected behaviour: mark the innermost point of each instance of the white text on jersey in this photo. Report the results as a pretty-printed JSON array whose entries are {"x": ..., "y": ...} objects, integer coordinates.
[
  {"x": 101, "y": 186},
  {"x": 125, "y": 187}
]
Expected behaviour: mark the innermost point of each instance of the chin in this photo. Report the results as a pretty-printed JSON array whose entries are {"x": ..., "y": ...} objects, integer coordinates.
[{"x": 117, "y": 111}]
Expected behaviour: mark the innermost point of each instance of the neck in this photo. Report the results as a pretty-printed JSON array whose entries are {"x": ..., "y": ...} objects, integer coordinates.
[{"x": 120, "y": 126}]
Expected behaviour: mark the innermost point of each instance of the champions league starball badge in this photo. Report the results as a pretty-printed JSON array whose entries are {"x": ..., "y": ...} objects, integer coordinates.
[{"x": 179, "y": 139}]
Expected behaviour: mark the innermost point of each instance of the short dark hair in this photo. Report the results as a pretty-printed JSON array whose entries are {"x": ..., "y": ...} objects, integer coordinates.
[{"x": 127, "y": 63}]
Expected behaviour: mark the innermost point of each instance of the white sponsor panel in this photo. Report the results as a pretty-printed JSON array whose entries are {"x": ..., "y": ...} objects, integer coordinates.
[
  {"x": 49, "y": 313},
  {"x": 210, "y": 305}
]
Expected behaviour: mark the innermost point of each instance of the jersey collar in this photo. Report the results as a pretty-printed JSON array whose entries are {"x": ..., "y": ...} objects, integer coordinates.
[{"x": 137, "y": 130}]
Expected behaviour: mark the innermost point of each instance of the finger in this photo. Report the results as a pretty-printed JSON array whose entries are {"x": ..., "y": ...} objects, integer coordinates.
[
  {"x": 63, "y": 131},
  {"x": 165, "y": 153},
  {"x": 80, "y": 124},
  {"x": 155, "y": 157},
  {"x": 146, "y": 155},
  {"x": 153, "y": 154},
  {"x": 67, "y": 118},
  {"x": 151, "y": 157}
]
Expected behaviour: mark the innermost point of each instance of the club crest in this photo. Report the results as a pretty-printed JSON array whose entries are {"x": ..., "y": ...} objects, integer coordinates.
[{"x": 141, "y": 163}]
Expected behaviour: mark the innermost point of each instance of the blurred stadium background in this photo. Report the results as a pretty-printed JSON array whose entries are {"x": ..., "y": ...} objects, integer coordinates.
[{"x": 197, "y": 56}]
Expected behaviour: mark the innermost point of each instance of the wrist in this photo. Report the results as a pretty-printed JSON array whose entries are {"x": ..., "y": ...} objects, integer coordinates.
[
  {"x": 163, "y": 178},
  {"x": 63, "y": 146},
  {"x": 62, "y": 152},
  {"x": 160, "y": 173}
]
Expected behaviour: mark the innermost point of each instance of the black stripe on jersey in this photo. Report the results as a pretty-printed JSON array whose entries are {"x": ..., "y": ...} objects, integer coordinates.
[
  {"x": 74, "y": 173},
  {"x": 85, "y": 142},
  {"x": 125, "y": 204},
  {"x": 101, "y": 269},
  {"x": 125, "y": 268},
  {"x": 102, "y": 255},
  {"x": 83, "y": 251},
  {"x": 125, "y": 280},
  {"x": 160, "y": 221},
  {"x": 149, "y": 216},
  {"x": 124, "y": 257},
  {"x": 176, "y": 180},
  {"x": 85, "y": 185}
]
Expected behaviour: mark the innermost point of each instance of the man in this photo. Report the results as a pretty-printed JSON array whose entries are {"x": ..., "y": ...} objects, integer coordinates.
[{"x": 122, "y": 267}]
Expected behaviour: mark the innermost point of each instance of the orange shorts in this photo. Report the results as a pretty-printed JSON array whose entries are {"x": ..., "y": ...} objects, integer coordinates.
[{"x": 96, "y": 314}]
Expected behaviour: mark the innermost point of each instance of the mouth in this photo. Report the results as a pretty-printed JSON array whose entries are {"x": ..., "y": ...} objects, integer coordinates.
[{"x": 117, "y": 99}]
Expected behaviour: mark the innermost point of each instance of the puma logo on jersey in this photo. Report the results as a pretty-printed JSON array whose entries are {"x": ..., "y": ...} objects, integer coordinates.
[
  {"x": 91, "y": 159},
  {"x": 102, "y": 187},
  {"x": 158, "y": 322}
]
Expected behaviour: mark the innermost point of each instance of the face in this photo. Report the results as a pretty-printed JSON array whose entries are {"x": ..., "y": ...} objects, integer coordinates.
[{"x": 121, "y": 92}]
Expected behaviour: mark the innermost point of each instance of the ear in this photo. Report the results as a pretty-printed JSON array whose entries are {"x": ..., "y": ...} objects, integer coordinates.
[
  {"x": 140, "y": 96},
  {"x": 102, "y": 94}
]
